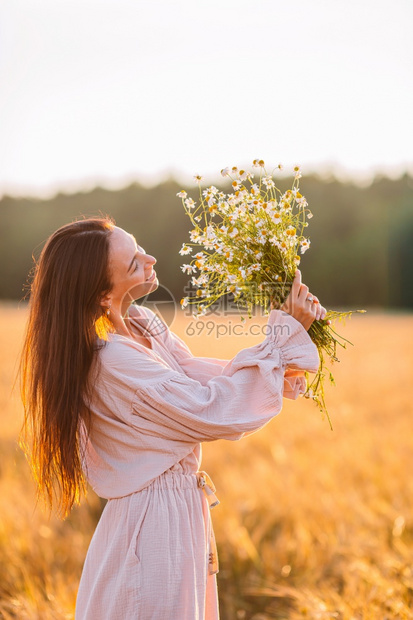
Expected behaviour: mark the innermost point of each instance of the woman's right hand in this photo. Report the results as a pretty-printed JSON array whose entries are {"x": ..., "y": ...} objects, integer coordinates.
[{"x": 302, "y": 305}]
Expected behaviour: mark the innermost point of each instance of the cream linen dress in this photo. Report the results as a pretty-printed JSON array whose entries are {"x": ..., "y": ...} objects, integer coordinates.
[{"x": 152, "y": 556}]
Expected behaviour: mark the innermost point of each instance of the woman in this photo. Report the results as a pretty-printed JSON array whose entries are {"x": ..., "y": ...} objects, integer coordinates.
[{"x": 111, "y": 400}]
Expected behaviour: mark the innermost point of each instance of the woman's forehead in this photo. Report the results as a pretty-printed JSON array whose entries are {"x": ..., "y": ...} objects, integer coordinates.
[
  {"x": 122, "y": 245},
  {"x": 119, "y": 235}
]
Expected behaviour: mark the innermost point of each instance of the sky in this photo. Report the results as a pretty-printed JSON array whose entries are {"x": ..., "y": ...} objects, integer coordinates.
[{"x": 112, "y": 91}]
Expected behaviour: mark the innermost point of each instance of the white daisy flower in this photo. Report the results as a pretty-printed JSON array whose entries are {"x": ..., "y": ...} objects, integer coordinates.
[
  {"x": 285, "y": 206},
  {"x": 210, "y": 232},
  {"x": 210, "y": 190},
  {"x": 182, "y": 194},
  {"x": 201, "y": 312},
  {"x": 223, "y": 207},
  {"x": 225, "y": 172},
  {"x": 297, "y": 172},
  {"x": 184, "y": 250},
  {"x": 268, "y": 182},
  {"x": 188, "y": 269},
  {"x": 197, "y": 281},
  {"x": 190, "y": 203},
  {"x": 233, "y": 233},
  {"x": 261, "y": 238},
  {"x": 195, "y": 236}
]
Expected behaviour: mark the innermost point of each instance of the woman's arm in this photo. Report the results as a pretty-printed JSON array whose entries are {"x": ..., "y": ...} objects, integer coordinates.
[
  {"x": 242, "y": 399},
  {"x": 203, "y": 369}
]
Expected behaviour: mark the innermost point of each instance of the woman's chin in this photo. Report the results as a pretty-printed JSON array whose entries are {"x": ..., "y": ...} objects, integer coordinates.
[
  {"x": 143, "y": 289},
  {"x": 153, "y": 285}
]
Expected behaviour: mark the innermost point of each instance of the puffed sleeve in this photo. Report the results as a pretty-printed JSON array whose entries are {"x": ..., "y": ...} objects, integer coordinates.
[
  {"x": 242, "y": 399},
  {"x": 204, "y": 368},
  {"x": 200, "y": 368}
]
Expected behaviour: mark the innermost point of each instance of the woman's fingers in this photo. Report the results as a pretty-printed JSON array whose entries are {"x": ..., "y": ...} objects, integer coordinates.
[
  {"x": 316, "y": 305},
  {"x": 288, "y": 304},
  {"x": 320, "y": 311},
  {"x": 296, "y": 283},
  {"x": 303, "y": 292},
  {"x": 299, "y": 291},
  {"x": 302, "y": 305}
]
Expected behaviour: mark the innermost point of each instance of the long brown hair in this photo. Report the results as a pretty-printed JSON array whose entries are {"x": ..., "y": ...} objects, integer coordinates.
[{"x": 65, "y": 319}]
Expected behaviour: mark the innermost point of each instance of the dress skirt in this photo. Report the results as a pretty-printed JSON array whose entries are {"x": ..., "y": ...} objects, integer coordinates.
[{"x": 149, "y": 555}]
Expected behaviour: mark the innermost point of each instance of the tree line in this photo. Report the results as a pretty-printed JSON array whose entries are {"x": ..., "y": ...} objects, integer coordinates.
[{"x": 361, "y": 237}]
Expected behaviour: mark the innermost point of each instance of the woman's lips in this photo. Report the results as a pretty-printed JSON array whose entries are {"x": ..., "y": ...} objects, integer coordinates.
[{"x": 151, "y": 277}]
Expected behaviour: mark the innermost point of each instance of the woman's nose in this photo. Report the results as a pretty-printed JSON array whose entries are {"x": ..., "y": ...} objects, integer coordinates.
[{"x": 150, "y": 259}]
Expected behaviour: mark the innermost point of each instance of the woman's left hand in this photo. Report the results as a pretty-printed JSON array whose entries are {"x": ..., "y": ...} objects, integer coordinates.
[{"x": 320, "y": 311}]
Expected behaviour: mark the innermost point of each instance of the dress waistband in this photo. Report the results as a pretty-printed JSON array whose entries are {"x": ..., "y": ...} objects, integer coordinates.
[{"x": 172, "y": 479}]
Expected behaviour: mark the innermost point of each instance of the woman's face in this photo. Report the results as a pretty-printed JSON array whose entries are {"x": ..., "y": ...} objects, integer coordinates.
[{"x": 131, "y": 269}]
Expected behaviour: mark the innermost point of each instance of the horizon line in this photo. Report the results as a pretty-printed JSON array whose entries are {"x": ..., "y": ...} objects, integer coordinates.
[{"x": 362, "y": 179}]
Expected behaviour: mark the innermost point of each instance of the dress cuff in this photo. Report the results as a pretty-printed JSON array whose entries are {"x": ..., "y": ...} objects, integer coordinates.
[{"x": 297, "y": 349}]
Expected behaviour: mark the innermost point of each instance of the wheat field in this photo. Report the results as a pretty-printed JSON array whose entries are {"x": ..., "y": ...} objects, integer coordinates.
[{"x": 313, "y": 523}]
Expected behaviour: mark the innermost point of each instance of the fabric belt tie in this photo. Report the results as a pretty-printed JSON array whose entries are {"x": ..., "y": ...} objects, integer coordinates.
[{"x": 205, "y": 483}]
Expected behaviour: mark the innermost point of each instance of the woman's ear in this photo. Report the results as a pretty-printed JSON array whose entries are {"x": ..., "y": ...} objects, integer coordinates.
[{"x": 106, "y": 300}]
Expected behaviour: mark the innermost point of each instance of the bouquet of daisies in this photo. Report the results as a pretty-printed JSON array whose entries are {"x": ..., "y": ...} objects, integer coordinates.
[{"x": 247, "y": 243}]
